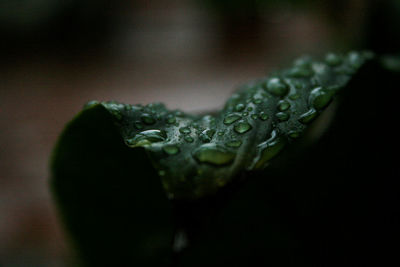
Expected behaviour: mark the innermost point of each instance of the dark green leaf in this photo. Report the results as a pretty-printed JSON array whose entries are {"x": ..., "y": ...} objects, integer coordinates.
[
  {"x": 116, "y": 164},
  {"x": 291, "y": 99},
  {"x": 109, "y": 195}
]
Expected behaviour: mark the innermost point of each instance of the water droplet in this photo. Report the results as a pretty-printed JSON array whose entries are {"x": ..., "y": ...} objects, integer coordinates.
[
  {"x": 257, "y": 101},
  {"x": 301, "y": 72},
  {"x": 210, "y": 132},
  {"x": 171, "y": 149},
  {"x": 263, "y": 116},
  {"x": 234, "y": 143},
  {"x": 242, "y": 127},
  {"x": 245, "y": 114},
  {"x": 320, "y": 69},
  {"x": 213, "y": 154},
  {"x": 254, "y": 116},
  {"x": 277, "y": 87},
  {"x": 146, "y": 138},
  {"x": 294, "y": 97},
  {"x": 188, "y": 139},
  {"x": 333, "y": 59},
  {"x": 282, "y": 116},
  {"x": 171, "y": 119},
  {"x": 308, "y": 117},
  {"x": 208, "y": 119},
  {"x": 185, "y": 130},
  {"x": 221, "y": 133},
  {"x": 91, "y": 104},
  {"x": 355, "y": 59},
  {"x": 207, "y": 135},
  {"x": 283, "y": 105},
  {"x": 267, "y": 150},
  {"x": 231, "y": 118},
  {"x": 240, "y": 107},
  {"x": 147, "y": 119},
  {"x": 319, "y": 98},
  {"x": 114, "y": 110}
]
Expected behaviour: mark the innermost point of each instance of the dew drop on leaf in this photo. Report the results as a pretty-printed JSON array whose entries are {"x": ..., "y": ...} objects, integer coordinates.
[
  {"x": 213, "y": 154},
  {"x": 294, "y": 97},
  {"x": 171, "y": 149},
  {"x": 91, "y": 104},
  {"x": 231, "y": 118},
  {"x": 282, "y": 116},
  {"x": 242, "y": 127},
  {"x": 207, "y": 135},
  {"x": 267, "y": 150},
  {"x": 355, "y": 59},
  {"x": 147, "y": 119},
  {"x": 188, "y": 139},
  {"x": 185, "y": 130},
  {"x": 116, "y": 112},
  {"x": 301, "y": 72},
  {"x": 263, "y": 116},
  {"x": 210, "y": 132},
  {"x": 171, "y": 119},
  {"x": 239, "y": 107},
  {"x": 283, "y": 105},
  {"x": 234, "y": 143},
  {"x": 146, "y": 138},
  {"x": 308, "y": 116},
  {"x": 257, "y": 101},
  {"x": 333, "y": 59},
  {"x": 277, "y": 87},
  {"x": 320, "y": 98}
]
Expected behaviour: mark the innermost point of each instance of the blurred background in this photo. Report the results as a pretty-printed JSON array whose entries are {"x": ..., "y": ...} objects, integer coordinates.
[{"x": 55, "y": 55}]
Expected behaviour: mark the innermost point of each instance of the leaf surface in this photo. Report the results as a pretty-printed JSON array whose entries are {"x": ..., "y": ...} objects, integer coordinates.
[{"x": 116, "y": 166}]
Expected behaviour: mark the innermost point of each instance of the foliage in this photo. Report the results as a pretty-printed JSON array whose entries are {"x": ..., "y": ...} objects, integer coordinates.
[{"x": 148, "y": 186}]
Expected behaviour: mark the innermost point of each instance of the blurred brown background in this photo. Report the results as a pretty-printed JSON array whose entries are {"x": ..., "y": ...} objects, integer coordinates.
[{"x": 189, "y": 54}]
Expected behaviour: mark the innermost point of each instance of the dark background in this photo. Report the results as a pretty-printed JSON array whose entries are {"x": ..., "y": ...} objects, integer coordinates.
[{"x": 189, "y": 54}]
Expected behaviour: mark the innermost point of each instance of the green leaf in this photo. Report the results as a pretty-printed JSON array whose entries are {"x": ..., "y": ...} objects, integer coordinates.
[
  {"x": 110, "y": 197},
  {"x": 254, "y": 126},
  {"x": 331, "y": 204},
  {"x": 116, "y": 164}
]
